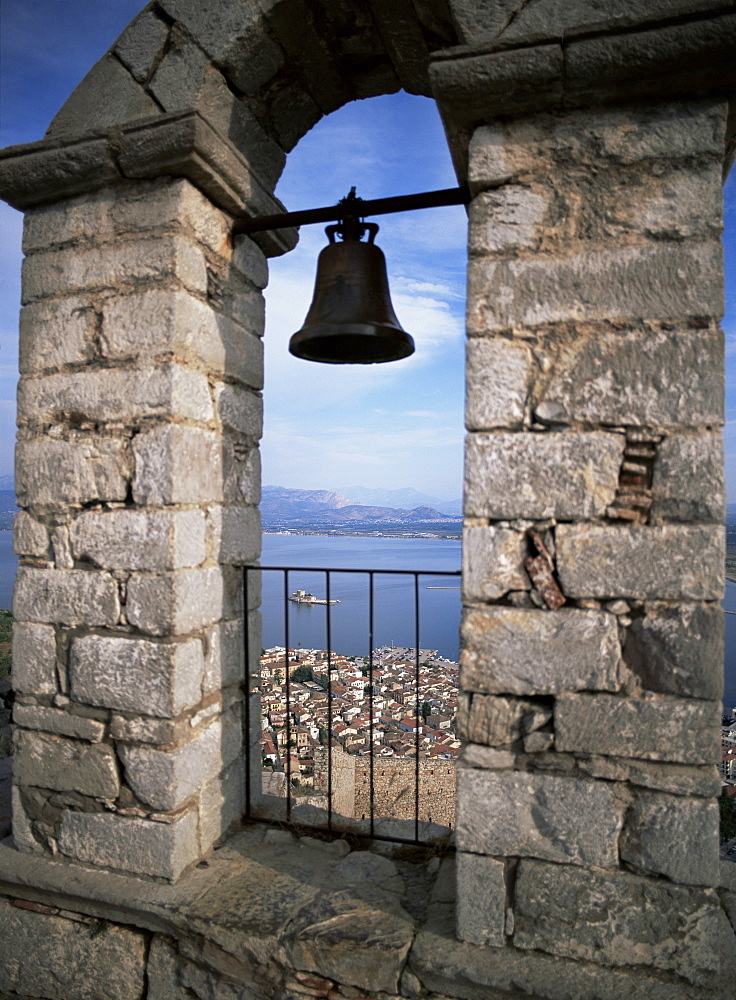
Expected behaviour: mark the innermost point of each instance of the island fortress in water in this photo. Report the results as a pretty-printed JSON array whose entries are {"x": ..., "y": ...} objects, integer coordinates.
[{"x": 303, "y": 597}]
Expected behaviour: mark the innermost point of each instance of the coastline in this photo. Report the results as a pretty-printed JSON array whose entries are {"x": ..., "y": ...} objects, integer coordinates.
[{"x": 364, "y": 534}]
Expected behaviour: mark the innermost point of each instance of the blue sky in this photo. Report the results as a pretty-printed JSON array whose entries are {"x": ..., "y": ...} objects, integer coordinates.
[{"x": 325, "y": 426}]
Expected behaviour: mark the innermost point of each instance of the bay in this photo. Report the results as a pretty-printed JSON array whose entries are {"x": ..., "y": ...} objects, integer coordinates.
[
  {"x": 393, "y": 594},
  {"x": 393, "y": 612}
]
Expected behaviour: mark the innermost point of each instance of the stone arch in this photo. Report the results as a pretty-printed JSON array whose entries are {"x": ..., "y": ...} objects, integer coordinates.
[
  {"x": 141, "y": 368},
  {"x": 262, "y": 74}
]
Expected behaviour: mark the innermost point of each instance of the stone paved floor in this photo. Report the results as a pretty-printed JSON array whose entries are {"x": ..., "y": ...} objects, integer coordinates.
[{"x": 270, "y": 908}]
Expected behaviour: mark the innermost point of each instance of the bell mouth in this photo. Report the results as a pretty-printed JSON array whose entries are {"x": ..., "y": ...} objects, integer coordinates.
[{"x": 351, "y": 344}]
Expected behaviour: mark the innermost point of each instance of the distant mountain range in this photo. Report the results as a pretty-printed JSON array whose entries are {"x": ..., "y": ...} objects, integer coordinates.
[
  {"x": 404, "y": 499},
  {"x": 282, "y": 507}
]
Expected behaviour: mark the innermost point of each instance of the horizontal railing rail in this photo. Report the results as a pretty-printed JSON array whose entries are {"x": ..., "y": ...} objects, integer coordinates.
[{"x": 327, "y": 809}]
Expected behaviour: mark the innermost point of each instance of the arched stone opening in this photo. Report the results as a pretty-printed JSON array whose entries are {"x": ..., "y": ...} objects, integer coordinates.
[{"x": 609, "y": 470}]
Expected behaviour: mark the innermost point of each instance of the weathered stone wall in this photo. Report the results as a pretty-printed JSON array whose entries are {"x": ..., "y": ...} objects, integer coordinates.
[
  {"x": 137, "y": 469},
  {"x": 394, "y": 787},
  {"x": 592, "y": 637}
]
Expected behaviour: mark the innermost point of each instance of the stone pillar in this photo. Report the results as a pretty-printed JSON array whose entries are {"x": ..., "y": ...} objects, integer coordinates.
[
  {"x": 139, "y": 414},
  {"x": 591, "y": 666}
]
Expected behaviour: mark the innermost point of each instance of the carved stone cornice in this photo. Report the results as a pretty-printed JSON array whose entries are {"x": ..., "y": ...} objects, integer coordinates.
[{"x": 176, "y": 145}]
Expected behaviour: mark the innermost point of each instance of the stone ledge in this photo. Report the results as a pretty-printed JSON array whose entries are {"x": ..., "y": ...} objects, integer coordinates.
[
  {"x": 472, "y": 87},
  {"x": 261, "y": 905},
  {"x": 179, "y": 145}
]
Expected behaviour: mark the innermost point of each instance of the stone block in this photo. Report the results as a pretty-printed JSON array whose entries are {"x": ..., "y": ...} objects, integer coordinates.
[
  {"x": 83, "y": 468},
  {"x": 22, "y": 827},
  {"x": 176, "y": 603},
  {"x": 144, "y": 729},
  {"x": 621, "y": 136},
  {"x": 159, "y": 323},
  {"x": 664, "y": 281},
  {"x": 132, "y": 845},
  {"x": 162, "y": 969},
  {"x": 223, "y": 33},
  {"x": 222, "y": 803},
  {"x": 486, "y": 758},
  {"x": 678, "y": 650},
  {"x": 649, "y": 63},
  {"x": 65, "y": 597},
  {"x": 480, "y": 86},
  {"x": 248, "y": 258},
  {"x": 519, "y": 651},
  {"x": 29, "y": 175},
  {"x": 47, "y": 955},
  {"x": 34, "y": 659},
  {"x": 65, "y": 765},
  {"x": 684, "y": 204},
  {"x": 239, "y": 410},
  {"x": 233, "y": 117},
  {"x": 658, "y": 378},
  {"x": 349, "y": 938},
  {"x": 56, "y": 334},
  {"x": 687, "y": 479},
  {"x": 84, "y": 219},
  {"x": 667, "y": 563},
  {"x": 84, "y": 112},
  {"x": 166, "y": 779},
  {"x": 115, "y": 395},
  {"x": 188, "y": 146},
  {"x": 136, "y": 675},
  {"x": 629, "y": 727},
  {"x": 506, "y": 219},
  {"x": 678, "y": 779},
  {"x": 53, "y": 720},
  {"x": 114, "y": 266},
  {"x": 140, "y": 540},
  {"x": 30, "y": 537},
  {"x": 518, "y": 814},
  {"x": 498, "y": 378},
  {"x": 481, "y": 899},
  {"x": 234, "y": 534},
  {"x": 141, "y": 44},
  {"x": 541, "y": 475},
  {"x": 176, "y": 464},
  {"x": 495, "y": 720},
  {"x": 241, "y": 473},
  {"x": 177, "y": 81},
  {"x": 481, "y": 22},
  {"x": 223, "y": 661},
  {"x": 673, "y": 836},
  {"x": 555, "y": 18},
  {"x": 617, "y": 919},
  {"x": 493, "y": 563}
]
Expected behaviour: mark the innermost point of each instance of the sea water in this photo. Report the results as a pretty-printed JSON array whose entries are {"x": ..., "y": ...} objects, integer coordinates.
[{"x": 439, "y": 610}]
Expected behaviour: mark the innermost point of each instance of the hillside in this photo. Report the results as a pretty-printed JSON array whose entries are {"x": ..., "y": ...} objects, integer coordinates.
[
  {"x": 402, "y": 499},
  {"x": 282, "y": 508}
]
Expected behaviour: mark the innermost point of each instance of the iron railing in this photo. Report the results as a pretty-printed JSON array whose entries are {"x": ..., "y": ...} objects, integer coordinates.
[{"x": 422, "y": 778}]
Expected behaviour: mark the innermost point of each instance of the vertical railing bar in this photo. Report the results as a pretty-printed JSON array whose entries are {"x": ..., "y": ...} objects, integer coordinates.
[
  {"x": 246, "y": 720},
  {"x": 288, "y": 695},
  {"x": 370, "y": 709},
  {"x": 416, "y": 710},
  {"x": 329, "y": 725},
  {"x": 328, "y": 637},
  {"x": 371, "y": 609}
]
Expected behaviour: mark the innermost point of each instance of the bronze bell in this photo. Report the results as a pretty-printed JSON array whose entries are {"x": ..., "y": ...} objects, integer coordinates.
[{"x": 351, "y": 320}]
